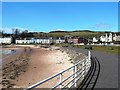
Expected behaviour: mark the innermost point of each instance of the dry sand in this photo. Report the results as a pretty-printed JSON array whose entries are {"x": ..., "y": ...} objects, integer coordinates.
[{"x": 42, "y": 64}]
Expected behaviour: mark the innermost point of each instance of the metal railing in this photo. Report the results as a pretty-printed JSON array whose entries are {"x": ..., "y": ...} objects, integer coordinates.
[{"x": 79, "y": 71}]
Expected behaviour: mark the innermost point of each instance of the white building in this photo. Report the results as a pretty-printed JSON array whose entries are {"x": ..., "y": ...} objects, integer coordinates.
[
  {"x": 5, "y": 40},
  {"x": 56, "y": 40},
  {"x": 33, "y": 40},
  {"x": 23, "y": 41},
  {"x": 95, "y": 39},
  {"x": 107, "y": 39},
  {"x": 102, "y": 38},
  {"x": 116, "y": 38},
  {"x": 44, "y": 41},
  {"x": 59, "y": 40}
]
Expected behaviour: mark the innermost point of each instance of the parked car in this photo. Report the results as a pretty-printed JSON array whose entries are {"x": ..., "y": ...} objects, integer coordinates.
[{"x": 51, "y": 43}]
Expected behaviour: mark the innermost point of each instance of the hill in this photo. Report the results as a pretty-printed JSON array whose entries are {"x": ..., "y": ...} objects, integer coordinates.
[{"x": 76, "y": 33}]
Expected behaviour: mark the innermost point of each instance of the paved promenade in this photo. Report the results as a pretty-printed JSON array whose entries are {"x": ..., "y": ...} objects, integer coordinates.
[{"x": 108, "y": 77}]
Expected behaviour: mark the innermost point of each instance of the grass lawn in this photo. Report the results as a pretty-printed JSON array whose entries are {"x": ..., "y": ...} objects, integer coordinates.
[{"x": 107, "y": 49}]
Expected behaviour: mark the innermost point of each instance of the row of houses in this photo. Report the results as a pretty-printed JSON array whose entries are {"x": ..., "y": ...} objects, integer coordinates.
[
  {"x": 108, "y": 38},
  {"x": 32, "y": 40},
  {"x": 76, "y": 40},
  {"x": 39, "y": 40},
  {"x": 8, "y": 40}
]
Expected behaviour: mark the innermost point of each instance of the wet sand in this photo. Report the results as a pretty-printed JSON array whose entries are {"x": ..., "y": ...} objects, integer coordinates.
[
  {"x": 6, "y": 58},
  {"x": 13, "y": 66}
]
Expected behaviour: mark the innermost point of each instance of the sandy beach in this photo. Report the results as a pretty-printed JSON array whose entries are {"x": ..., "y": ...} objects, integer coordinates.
[{"x": 41, "y": 63}]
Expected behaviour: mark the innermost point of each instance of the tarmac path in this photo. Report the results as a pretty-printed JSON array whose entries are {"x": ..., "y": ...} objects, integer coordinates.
[{"x": 108, "y": 77}]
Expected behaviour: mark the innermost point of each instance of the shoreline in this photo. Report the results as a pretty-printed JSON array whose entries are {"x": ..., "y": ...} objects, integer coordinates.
[{"x": 41, "y": 64}]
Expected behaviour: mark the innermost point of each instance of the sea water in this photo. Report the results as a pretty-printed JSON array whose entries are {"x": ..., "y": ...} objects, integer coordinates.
[{"x": 5, "y": 52}]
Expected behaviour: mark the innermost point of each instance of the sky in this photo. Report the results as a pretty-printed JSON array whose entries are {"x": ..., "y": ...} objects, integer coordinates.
[{"x": 51, "y": 16}]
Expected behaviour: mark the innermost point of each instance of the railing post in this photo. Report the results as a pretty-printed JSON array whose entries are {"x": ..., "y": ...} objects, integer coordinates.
[
  {"x": 60, "y": 81},
  {"x": 89, "y": 56},
  {"x": 75, "y": 76},
  {"x": 86, "y": 64},
  {"x": 83, "y": 71}
]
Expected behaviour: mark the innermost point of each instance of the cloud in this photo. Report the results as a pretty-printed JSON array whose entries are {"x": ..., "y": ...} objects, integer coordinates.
[
  {"x": 62, "y": 29},
  {"x": 59, "y": 30},
  {"x": 102, "y": 26}
]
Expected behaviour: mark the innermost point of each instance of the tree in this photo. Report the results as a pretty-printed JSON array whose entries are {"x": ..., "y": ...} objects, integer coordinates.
[
  {"x": 15, "y": 34},
  {"x": 25, "y": 31},
  {"x": 15, "y": 31},
  {"x": 1, "y": 32}
]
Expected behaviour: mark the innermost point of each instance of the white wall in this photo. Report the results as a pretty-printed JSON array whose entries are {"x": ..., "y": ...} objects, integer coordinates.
[
  {"x": 23, "y": 41},
  {"x": 102, "y": 38},
  {"x": 94, "y": 39},
  {"x": 116, "y": 38},
  {"x": 47, "y": 41},
  {"x": 6, "y": 40}
]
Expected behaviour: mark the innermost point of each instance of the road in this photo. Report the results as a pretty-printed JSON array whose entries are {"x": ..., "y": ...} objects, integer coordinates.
[{"x": 108, "y": 77}]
